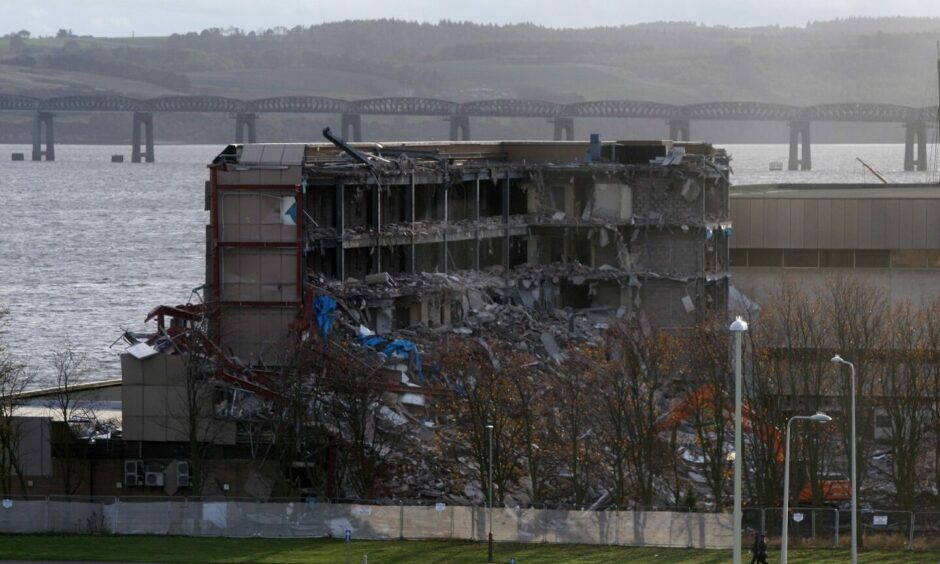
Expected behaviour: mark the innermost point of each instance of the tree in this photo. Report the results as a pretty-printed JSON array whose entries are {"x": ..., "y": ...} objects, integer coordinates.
[
  {"x": 931, "y": 320},
  {"x": 14, "y": 379},
  {"x": 300, "y": 431},
  {"x": 483, "y": 394},
  {"x": 531, "y": 410},
  {"x": 796, "y": 353},
  {"x": 708, "y": 390},
  {"x": 633, "y": 382},
  {"x": 856, "y": 313},
  {"x": 71, "y": 370},
  {"x": 573, "y": 392},
  {"x": 355, "y": 400},
  {"x": 905, "y": 381}
]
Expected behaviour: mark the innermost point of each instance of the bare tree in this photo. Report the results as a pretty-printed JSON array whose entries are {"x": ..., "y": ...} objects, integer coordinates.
[
  {"x": 708, "y": 391},
  {"x": 796, "y": 351},
  {"x": 931, "y": 320},
  {"x": 301, "y": 436},
  {"x": 905, "y": 382},
  {"x": 71, "y": 370},
  {"x": 484, "y": 394},
  {"x": 531, "y": 409},
  {"x": 354, "y": 404},
  {"x": 14, "y": 379},
  {"x": 633, "y": 382},
  {"x": 856, "y": 312},
  {"x": 573, "y": 395}
]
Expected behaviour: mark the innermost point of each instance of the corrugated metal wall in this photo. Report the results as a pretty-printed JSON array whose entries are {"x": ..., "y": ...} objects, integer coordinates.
[{"x": 835, "y": 223}]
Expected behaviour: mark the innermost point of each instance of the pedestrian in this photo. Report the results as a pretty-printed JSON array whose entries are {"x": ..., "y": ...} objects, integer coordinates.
[{"x": 759, "y": 551}]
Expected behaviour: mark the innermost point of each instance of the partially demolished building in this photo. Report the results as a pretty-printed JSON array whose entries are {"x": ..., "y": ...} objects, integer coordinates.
[
  {"x": 385, "y": 250},
  {"x": 604, "y": 230}
]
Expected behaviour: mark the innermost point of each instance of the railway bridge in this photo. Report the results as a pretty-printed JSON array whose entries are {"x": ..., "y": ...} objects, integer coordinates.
[{"x": 562, "y": 116}]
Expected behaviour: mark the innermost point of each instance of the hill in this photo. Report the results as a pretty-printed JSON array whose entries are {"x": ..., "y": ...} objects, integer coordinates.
[
  {"x": 889, "y": 60},
  {"x": 865, "y": 59}
]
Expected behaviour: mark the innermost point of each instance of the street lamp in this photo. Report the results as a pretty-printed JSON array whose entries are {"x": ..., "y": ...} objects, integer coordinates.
[
  {"x": 839, "y": 360},
  {"x": 489, "y": 432},
  {"x": 818, "y": 418},
  {"x": 738, "y": 328}
]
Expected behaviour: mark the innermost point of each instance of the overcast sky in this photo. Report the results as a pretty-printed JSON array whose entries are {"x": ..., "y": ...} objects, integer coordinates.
[{"x": 162, "y": 17}]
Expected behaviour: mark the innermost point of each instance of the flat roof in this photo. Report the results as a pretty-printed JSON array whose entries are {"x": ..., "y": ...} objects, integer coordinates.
[
  {"x": 74, "y": 388},
  {"x": 921, "y": 191}
]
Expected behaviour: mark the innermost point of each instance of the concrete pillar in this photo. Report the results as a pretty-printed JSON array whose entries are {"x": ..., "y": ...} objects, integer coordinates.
[
  {"x": 352, "y": 127},
  {"x": 340, "y": 227},
  {"x": 679, "y": 129},
  {"x": 506, "y": 201},
  {"x": 915, "y": 130},
  {"x": 799, "y": 131},
  {"x": 410, "y": 258},
  {"x": 245, "y": 121},
  {"x": 564, "y": 128},
  {"x": 476, "y": 223},
  {"x": 922, "y": 147},
  {"x": 142, "y": 120},
  {"x": 377, "y": 227},
  {"x": 459, "y": 128},
  {"x": 43, "y": 127}
]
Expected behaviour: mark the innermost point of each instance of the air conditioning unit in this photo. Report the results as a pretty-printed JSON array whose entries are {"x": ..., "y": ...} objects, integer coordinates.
[
  {"x": 153, "y": 478},
  {"x": 132, "y": 472},
  {"x": 182, "y": 474}
]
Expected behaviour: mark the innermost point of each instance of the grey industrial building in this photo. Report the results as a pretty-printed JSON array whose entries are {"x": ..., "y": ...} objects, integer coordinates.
[{"x": 887, "y": 235}]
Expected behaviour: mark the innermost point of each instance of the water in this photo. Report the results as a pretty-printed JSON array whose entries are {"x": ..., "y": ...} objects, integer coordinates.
[{"x": 88, "y": 247}]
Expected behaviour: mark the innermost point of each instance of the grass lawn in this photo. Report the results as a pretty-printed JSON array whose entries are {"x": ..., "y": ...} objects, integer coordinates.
[{"x": 197, "y": 550}]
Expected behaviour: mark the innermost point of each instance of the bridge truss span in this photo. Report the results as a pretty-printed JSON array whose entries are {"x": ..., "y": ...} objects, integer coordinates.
[
  {"x": 622, "y": 109},
  {"x": 861, "y": 112},
  {"x": 299, "y": 105},
  {"x": 404, "y": 106},
  {"x": 208, "y": 104},
  {"x": 511, "y": 107},
  {"x": 743, "y": 111},
  {"x": 91, "y": 103},
  {"x": 14, "y": 102}
]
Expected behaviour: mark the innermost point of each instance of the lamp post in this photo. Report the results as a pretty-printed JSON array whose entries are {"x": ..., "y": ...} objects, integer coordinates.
[
  {"x": 818, "y": 418},
  {"x": 839, "y": 360},
  {"x": 489, "y": 432},
  {"x": 739, "y": 327}
]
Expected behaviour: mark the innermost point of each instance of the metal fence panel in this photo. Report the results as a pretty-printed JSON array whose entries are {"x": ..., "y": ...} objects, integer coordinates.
[
  {"x": 884, "y": 529},
  {"x": 809, "y": 526},
  {"x": 926, "y": 532}
]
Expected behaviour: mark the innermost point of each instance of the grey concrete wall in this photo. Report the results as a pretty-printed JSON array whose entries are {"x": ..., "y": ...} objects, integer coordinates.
[{"x": 368, "y": 522}]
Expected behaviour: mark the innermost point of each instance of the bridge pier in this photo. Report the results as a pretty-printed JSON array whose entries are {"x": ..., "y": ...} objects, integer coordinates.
[
  {"x": 352, "y": 127},
  {"x": 459, "y": 128},
  {"x": 679, "y": 129},
  {"x": 245, "y": 122},
  {"x": 564, "y": 128},
  {"x": 142, "y": 120},
  {"x": 43, "y": 123},
  {"x": 912, "y": 130},
  {"x": 799, "y": 131}
]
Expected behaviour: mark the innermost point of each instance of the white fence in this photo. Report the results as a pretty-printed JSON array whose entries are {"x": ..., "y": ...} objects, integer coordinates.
[{"x": 298, "y": 519}]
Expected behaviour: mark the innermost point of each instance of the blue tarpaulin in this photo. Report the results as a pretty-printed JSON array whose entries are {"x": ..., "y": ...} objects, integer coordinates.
[
  {"x": 324, "y": 306},
  {"x": 401, "y": 348}
]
